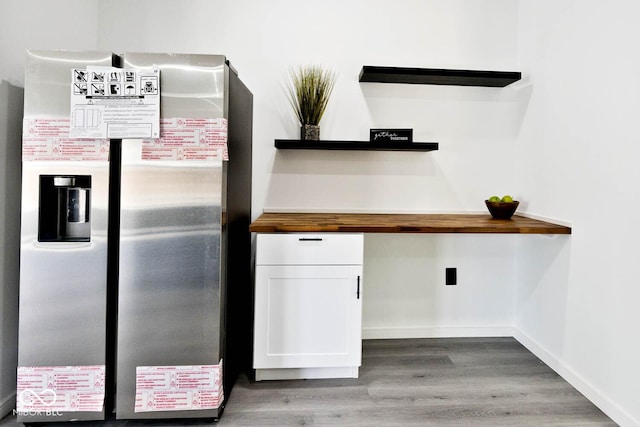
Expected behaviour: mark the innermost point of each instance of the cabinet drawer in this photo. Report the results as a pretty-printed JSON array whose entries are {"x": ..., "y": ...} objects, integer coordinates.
[{"x": 310, "y": 249}]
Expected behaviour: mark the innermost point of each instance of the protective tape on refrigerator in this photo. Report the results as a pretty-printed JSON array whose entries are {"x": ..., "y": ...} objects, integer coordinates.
[
  {"x": 48, "y": 139},
  {"x": 59, "y": 389},
  {"x": 178, "y": 388},
  {"x": 188, "y": 139}
]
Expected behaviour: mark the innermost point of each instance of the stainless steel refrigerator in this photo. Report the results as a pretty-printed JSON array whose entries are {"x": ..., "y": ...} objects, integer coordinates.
[{"x": 170, "y": 319}]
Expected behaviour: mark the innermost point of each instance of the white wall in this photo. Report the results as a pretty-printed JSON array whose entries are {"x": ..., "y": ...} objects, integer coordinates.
[
  {"x": 578, "y": 149},
  {"x": 40, "y": 24},
  {"x": 405, "y": 295}
]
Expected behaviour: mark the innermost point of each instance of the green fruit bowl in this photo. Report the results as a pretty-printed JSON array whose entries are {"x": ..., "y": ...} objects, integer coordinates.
[{"x": 502, "y": 210}]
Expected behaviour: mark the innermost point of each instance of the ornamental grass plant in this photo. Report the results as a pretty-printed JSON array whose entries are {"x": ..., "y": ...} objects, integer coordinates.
[{"x": 309, "y": 91}]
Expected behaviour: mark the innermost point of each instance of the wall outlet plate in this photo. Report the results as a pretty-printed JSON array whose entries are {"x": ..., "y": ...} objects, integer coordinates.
[{"x": 451, "y": 276}]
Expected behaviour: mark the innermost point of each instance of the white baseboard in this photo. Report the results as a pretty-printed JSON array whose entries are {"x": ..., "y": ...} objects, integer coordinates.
[
  {"x": 617, "y": 414},
  {"x": 369, "y": 333},
  {"x": 7, "y": 405}
]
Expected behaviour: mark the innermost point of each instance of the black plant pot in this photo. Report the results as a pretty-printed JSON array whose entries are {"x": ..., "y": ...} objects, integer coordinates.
[{"x": 310, "y": 133}]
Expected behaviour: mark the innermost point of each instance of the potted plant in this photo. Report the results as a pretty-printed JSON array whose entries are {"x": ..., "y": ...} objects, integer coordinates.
[{"x": 309, "y": 91}]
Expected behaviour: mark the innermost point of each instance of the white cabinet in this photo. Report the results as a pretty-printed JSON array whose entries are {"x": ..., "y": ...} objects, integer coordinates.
[{"x": 308, "y": 306}]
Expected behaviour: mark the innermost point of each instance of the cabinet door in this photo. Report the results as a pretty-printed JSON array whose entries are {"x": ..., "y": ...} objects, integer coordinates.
[{"x": 308, "y": 316}]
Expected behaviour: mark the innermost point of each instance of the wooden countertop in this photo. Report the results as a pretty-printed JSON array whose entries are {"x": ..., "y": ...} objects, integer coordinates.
[{"x": 275, "y": 222}]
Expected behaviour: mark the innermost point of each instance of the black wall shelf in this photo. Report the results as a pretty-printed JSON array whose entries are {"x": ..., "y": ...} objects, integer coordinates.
[
  {"x": 297, "y": 144},
  {"x": 436, "y": 76}
]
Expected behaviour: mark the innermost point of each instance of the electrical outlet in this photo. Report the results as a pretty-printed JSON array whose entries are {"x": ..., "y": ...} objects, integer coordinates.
[{"x": 451, "y": 276}]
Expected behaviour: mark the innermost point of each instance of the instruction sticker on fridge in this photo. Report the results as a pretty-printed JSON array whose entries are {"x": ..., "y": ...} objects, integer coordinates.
[
  {"x": 178, "y": 388},
  {"x": 188, "y": 139},
  {"x": 115, "y": 103},
  {"x": 59, "y": 389}
]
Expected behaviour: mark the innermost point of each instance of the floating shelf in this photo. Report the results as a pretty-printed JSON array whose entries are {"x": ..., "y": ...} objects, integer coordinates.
[
  {"x": 436, "y": 76},
  {"x": 297, "y": 144}
]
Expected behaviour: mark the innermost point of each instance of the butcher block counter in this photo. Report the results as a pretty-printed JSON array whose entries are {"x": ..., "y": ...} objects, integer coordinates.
[{"x": 279, "y": 222}]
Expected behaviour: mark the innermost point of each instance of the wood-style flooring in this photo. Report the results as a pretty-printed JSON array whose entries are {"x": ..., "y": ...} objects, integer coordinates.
[{"x": 414, "y": 382}]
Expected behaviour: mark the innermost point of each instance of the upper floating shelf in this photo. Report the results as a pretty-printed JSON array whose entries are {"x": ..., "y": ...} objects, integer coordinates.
[
  {"x": 296, "y": 144},
  {"x": 436, "y": 76}
]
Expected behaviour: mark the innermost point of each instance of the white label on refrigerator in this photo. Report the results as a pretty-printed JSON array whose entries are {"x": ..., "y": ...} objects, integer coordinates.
[
  {"x": 54, "y": 390},
  {"x": 178, "y": 388},
  {"x": 188, "y": 139},
  {"x": 115, "y": 103},
  {"x": 48, "y": 139}
]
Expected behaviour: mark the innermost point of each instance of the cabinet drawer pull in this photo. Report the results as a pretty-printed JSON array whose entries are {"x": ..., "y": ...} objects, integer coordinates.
[
  {"x": 310, "y": 239},
  {"x": 358, "y": 291}
]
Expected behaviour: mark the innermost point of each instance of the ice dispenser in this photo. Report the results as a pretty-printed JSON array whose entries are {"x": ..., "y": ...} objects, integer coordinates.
[{"x": 65, "y": 208}]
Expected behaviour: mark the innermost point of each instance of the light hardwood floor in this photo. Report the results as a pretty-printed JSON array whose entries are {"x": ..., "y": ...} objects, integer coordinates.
[{"x": 415, "y": 382}]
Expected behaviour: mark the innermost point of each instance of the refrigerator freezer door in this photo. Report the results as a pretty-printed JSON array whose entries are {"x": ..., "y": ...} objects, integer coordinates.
[{"x": 63, "y": 284}]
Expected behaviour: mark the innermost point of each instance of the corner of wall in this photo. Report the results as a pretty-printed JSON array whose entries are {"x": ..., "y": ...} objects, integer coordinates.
[{"x": 596, "y": 396}]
